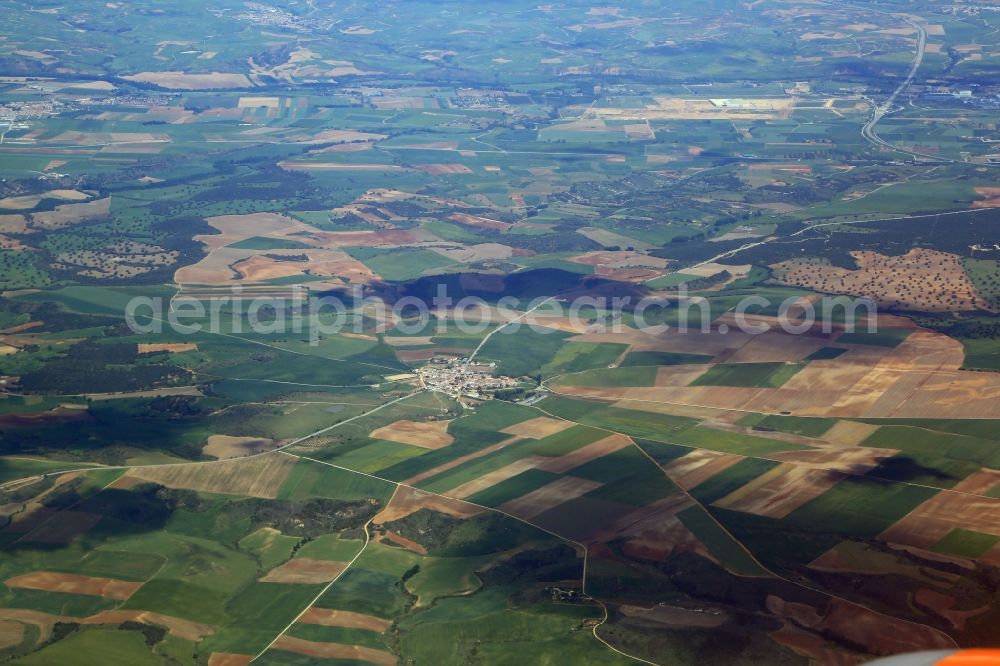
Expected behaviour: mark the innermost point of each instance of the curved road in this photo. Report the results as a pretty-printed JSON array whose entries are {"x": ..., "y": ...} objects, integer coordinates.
[{"x": 882, "y": 110}]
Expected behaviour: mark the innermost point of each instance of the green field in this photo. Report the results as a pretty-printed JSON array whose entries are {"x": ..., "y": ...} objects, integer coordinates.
[
  {"x": 764, "y": 375},
  {"x": 965, "y": 543}
]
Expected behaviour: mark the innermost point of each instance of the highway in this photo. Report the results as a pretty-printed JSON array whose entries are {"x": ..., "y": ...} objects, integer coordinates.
[{"x": 882, "y": 110}]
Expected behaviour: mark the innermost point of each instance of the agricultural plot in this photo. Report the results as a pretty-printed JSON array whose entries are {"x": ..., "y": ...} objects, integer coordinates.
[{"x": 701, "y": 496}]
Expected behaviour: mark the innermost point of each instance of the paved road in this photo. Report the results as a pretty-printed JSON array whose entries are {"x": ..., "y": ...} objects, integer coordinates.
[{"x": 882, "y": 110}]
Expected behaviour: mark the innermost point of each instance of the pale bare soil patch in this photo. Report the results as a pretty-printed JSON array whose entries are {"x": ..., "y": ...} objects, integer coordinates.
[
  {"x": 338, "y": 166},
  {"x": 337, "y": 136},
  {"x": 261, "y": 476},
  {"x": 382, "y": 238},
  {"x": 425, "y": 434},
  {"x": 475, "y": 253},
  {"x": 257, "y": 102},
  {"x": 151, "y": 393},
  {"x": 335, "y": 651},
  {"x": 849, "y": 460},
  {"x": 712, "y": 414},
  {"x": 29, "y": 201},
  {"x": 225, "y": 446},
  {"x": 619, "y": 259},
  {"x": 306, "y": 571},
  {"x": 991, "y": 198},
  {"x": 479, "y": 221},
  {"x": 270, "y": 264},
  {"x": 69, "y": 214},
  {"x": 693, "y": 469},
  {"x": 347, "y": 619},
  {"x": 184, "y": 81},
  {"x": 849, "y": 433},
  {"x": 51, "y": 581},
  {"x": 14, "y": 224},
  {"x": 675, "y": 108},
  {"x": 440, "y": 169},
  {"x": 537, "y": 428},
  {"x": 781, "y": 490},
  {"x": 548, "y": 496},
  {"x": 234, "y": 228},
  {"x": 154, "y": 347}
]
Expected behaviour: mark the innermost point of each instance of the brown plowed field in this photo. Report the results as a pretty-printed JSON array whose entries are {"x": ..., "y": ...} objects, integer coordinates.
[
  {"x": 409, "y": 500},
  {"x": 50, "y": 581}
]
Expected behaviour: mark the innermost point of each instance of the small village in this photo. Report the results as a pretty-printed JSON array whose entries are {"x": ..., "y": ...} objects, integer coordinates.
[{"x": 459, "y": 377}]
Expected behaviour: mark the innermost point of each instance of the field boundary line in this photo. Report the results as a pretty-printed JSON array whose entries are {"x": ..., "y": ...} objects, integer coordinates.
[
  {"x": 586, "y": 551},
  {"x": 750, "y": 553},
  {"x": 328, "y": 585}
]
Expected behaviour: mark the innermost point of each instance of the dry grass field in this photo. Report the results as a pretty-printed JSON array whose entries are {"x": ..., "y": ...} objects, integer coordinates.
[
  {"x": 70, "y": 214},
  {"x": 185, "y": 81},
  {"x": 700, "y": 465},
  {"x": 425, "y": 434},
  {"x": 305, "y": 571},
  {"x": 537, "y": 428},
  {"x": 919, "y": 378},
  {"x": 335, "y": 651},
  {"x": 780, "y": 491},
  {"x": 346, "y": 619},
  {"x": 226, "y": 446},
  {"x": 260, "y": 476}
]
